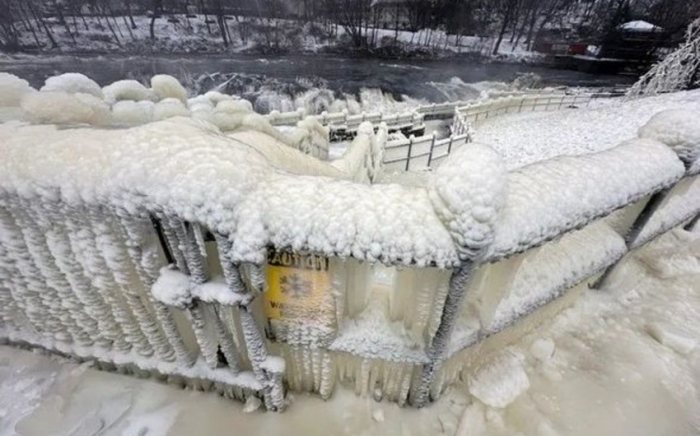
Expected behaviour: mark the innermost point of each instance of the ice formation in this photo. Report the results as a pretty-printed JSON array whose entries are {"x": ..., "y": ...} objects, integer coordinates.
[
  {"x": 168, "y": 87},
  {"x": 72, "y": 83},
  {"x": 126, "y": 113},
  {"x": 500, "y": 381},
  {"x": 127, "y": 90},
  {"x": 63, "y": 108},
  {"x": 12, "y": 89},
  {"x": 169, "y": 108}
]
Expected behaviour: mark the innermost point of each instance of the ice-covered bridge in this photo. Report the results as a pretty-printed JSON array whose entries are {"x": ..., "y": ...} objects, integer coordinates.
[{"x": 212, "y": 249}]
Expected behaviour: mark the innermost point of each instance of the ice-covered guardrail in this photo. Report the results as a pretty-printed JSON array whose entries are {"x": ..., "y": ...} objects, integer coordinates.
[
  {"x": 175, "y": 250},
  {"x": 447, "y": 109},
  {"x": 343, "y": 124}
]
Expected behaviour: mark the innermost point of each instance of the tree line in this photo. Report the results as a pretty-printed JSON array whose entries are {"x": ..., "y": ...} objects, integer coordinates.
[{"x": 520, "y": 21}]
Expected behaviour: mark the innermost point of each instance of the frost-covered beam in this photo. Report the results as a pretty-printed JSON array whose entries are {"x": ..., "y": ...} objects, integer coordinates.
[{"x": 438, "y": 348}]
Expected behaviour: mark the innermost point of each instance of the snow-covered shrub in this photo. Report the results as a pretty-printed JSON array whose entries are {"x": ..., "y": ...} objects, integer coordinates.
[
  {"x": 468, "y": 191},
  {"x": 132, "y": 113},
  {"x": 12, "y": 89},
  {"x": 64, "y": 108},
  {"x": 166, "y": 86},
  {"x": 127, "y": 90},
  {"x": 73, "y": 83},
  {"x": 677, "y": 128},
  {"x": 168, "y": 108}
]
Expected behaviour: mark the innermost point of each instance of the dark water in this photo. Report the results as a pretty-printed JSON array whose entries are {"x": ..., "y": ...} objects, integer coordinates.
[{"x": 416, "y": 78}]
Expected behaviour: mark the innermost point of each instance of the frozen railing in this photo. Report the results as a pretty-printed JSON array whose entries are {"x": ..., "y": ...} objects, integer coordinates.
[
  {"x": 343, "y": 124},
  {"x": 177, "y": 269},
  {"x": 447, "y": 109},
  {"x": 416, "y": 153}
]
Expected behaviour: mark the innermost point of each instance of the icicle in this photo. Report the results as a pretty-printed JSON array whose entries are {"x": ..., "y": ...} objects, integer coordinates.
[
  {"x": 228, "y": 348},
  {"x": 199, "y": 238},
  {"x": 146, "y": 335},
  {"x": 175, "y": 235},
  {"x": 67, "y": 308},
  {"x": 10, "y": 313},
  {"x": 25, "y": 287},
  {"x": 316, "y": 361},
  {"x": 146, "y": 267},
  {"x": 36, "y": 280},
  {"x": 89, "y": 270},
  {"x": 327, "y": 376},
  {"x": 405, "y": 384}
]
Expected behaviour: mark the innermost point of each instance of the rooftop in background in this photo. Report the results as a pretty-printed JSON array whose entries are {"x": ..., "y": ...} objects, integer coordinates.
[{"x": 640, "y": 26}]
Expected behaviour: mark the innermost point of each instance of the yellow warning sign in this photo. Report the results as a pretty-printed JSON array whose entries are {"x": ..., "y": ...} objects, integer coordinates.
[{"x": 297, "y": 285}]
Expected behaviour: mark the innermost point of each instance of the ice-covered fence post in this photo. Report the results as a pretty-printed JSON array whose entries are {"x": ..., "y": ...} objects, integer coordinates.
[
  {"x": 408, "y": 155},
  {"x": 135, "y": 232},
  {"x": 257, "y": 352},
  {"x": 691, "y": 225},
  {"x": 176, "y": 236},
  {"x": 438, "y": 347},
  {"x": 432, "y": 146},
  {"x": 642, "y": 219}
]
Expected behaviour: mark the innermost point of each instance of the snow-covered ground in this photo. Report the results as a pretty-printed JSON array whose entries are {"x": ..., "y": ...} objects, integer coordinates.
[
  {"x": 526, "y": 138},
  {"x": 621, "y": 361}
]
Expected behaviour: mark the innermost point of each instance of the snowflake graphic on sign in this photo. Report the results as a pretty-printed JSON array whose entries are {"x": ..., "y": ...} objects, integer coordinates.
[{"x": 295, "y": 286}]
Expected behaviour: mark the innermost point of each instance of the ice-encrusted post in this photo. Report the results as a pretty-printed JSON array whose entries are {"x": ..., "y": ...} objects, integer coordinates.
[
  {"x": 257, "y": 352},
  {"x": 640, "y": 222},
  {"x": 438, "y": 348}
]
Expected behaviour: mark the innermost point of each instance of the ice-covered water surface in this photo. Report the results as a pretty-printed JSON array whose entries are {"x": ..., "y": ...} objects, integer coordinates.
[{"x": 621, "y": 361}]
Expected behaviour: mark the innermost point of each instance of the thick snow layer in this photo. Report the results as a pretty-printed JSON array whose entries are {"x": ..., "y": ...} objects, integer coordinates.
[
  {"x": 531, "y": 137},
  {"x": 677, "y": 128},
  {"x": 168, "y": 87},
  {"x": 12, "y": 89},
  {"x": 191, "y": 170},
  {"x": 127, "y": 90},
  {"x": 681, "y": 205},
  {"x": 128, "y": 113},
  {"x": 549, "y": 198},
  {"x": 73, "y": 83},
  {"x": 64, "y": 108}
]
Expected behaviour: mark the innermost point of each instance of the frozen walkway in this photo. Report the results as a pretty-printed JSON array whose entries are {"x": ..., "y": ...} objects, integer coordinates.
[
  {"x": 526, "y": 138},
  {"x": 626, "y": 356}
]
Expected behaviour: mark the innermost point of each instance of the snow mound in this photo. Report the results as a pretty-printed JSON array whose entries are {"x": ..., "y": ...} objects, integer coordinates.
[
  {"x": 166, "y": 86},
  {"x": 468, "y": 191},
  {"x": 127, "y": 90},
  {"x": 63, "y": 108},
  {"x": 128, "y": 113},
  {"x": 12, "y": 89},
  {"x": 169, "y": 108},
  {"x": 499, "y": 382},
  {"x": 677, "y": 128},
  {"x": 73, "y": 83}
]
